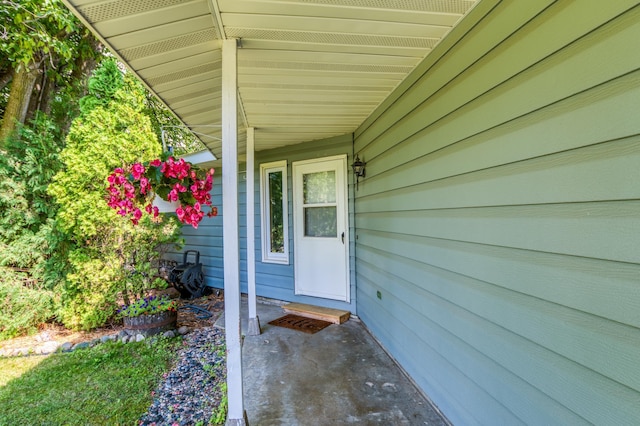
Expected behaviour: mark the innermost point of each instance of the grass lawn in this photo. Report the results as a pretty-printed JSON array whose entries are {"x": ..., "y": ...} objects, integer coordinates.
[{"x": 109, "y": 384}]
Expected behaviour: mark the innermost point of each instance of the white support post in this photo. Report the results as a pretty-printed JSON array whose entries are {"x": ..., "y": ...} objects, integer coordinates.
[
  {"x": 230, "y": 232},
  {"x": 254, "y": 321}
]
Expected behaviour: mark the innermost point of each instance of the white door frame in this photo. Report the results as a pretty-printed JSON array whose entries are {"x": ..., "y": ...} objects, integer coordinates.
[{"x": 342, "y": 196}]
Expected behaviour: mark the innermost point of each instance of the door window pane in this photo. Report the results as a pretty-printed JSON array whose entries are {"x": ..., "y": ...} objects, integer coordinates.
[
  {"x": 320, "y": 222},
  {"x": 319, "y": 187}
]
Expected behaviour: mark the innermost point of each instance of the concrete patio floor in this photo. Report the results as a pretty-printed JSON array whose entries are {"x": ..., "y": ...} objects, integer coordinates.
[{"x": 338, "y": 376}]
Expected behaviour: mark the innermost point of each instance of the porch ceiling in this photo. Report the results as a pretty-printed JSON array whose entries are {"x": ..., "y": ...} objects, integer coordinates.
[{"x": 307, "y": 69}]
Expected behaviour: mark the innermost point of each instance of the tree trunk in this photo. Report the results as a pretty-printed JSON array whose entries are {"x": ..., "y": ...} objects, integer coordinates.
[
  {"x": 47, "y": 92},
  {"x": 24, "y": 79},
  {"x": 37, "y": 93}
]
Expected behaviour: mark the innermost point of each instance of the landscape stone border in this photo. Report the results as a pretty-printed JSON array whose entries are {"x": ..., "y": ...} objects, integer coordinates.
[{"x": 124, "y": 336}]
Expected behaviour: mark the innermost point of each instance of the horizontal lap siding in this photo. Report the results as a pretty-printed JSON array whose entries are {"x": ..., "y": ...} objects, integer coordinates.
[
  {"x": 500, "y": 217},
  {"x": 207, "y": 239}
]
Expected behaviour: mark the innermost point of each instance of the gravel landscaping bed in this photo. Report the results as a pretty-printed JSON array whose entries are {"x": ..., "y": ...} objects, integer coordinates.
[{"x": 191, "y": 393}]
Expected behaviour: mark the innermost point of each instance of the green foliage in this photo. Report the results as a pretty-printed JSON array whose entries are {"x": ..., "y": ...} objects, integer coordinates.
[
  {"x": 65, "y": 250},
  {"x": 30, "y": 162},
  {"x": 36, "y": 29},
  {"x": 28, "y": 238},
  {"x": 88, "y": 295},
  {"x": 102, "y": 88},
  {"x": 42, "y": 41},
  {"x": 139, "y": 252},
  {"x": 99, "y": 140},
  {"x": 22, "y": 307},
  {"x": 219, "y": 416},
  {"x": 109, "y": 384},
  {"x": 148, "y": 305},
  {"x": 110, "y": 258}
]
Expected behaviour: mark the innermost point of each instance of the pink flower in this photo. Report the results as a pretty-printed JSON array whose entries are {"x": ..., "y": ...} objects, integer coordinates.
[
  {"x": 156, "y": 163},
  {"x": 184, "y": 168},
  {"x": 180, "y": 213},
  {"x": 129, "y": 190},
  {"x": 168, "y": 169},
  {"x": 173, "y": 195},
  {"x": 137, "y": 170}
]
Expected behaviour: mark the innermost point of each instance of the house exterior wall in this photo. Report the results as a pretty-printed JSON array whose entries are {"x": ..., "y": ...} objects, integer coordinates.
[
  {"x": 207, "y": 239},
  {"x": 500, "y": 217},
  {"x": 273, "y": 280}
]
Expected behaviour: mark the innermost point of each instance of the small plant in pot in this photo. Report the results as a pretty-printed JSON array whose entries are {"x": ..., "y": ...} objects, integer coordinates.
[{"x": 150, "y": 315}]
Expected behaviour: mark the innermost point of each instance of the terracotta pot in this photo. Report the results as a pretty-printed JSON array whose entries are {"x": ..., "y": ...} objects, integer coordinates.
[{"x": 151, "y": 324}]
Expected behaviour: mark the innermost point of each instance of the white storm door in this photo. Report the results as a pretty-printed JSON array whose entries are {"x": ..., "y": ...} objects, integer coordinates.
[{"x": 320, "y": 229}]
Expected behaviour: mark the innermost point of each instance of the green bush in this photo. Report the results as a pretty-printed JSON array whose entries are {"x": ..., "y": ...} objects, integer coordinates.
[
  {"x": 139, "y": 253},
  {"x": 117, "y": 265},
  {"x": 88, "y": 293},
  {"x": 108, "y": 257},
  {"x": 22, "y": 307},
  {"x": 28, "y": 236}
]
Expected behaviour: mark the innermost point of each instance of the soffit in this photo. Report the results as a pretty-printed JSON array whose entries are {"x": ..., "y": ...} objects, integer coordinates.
[{"x": 307, "y": 69}]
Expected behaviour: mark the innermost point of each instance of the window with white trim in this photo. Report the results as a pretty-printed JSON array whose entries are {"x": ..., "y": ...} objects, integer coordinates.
[{"x": 274, "y": 212}]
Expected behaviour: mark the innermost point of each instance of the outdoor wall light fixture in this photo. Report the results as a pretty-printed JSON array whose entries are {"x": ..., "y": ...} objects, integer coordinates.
[{"x": 358, "y": 169}]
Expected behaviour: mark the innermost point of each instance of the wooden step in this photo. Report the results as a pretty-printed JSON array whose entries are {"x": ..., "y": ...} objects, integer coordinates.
[{"x": 335, "y": 316}]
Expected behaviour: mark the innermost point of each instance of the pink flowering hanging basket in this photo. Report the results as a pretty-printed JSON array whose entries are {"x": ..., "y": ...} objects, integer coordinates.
[{"x": 133, "y": 188}]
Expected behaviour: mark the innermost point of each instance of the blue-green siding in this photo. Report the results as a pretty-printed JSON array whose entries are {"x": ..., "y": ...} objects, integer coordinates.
[
  {"x": 207, "y": 239},
  {"x": 500, "y": 217}
]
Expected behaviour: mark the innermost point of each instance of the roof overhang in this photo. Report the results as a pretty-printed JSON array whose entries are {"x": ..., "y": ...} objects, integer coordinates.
[{"x": 307, "y": 69}]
